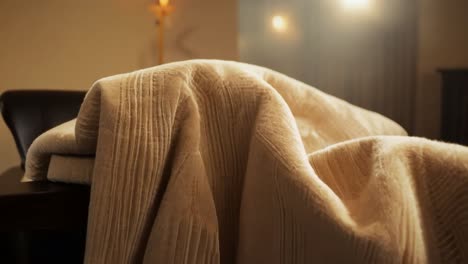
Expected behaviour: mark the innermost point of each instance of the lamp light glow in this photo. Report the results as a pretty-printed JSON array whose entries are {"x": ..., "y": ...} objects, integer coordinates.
[
  {"x": 356, "y": 4},
  {"x": 279, "y": 23},
  {"x": 164, "y": 2}
]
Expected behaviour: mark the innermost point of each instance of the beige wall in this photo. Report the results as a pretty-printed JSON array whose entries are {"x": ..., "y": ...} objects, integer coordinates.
[
  {"x": 70, "y": 44},
  {"x": 443, "y": 43}
]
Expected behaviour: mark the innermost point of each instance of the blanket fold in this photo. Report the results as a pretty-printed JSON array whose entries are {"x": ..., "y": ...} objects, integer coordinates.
[{"x": 222, "y": 162}]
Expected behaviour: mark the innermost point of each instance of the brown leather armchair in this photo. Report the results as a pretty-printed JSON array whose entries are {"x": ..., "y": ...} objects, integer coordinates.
[{"x": 41, "y": 222}]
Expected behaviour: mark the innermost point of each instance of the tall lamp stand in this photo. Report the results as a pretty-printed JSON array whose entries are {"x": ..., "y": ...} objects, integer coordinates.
[{"x": 161, "y": 9}]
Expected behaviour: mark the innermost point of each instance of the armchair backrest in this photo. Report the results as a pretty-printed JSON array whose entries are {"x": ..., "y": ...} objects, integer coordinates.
[{"x": 29, "y": 113}]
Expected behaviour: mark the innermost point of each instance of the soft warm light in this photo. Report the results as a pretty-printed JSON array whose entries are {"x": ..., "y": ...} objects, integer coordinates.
[
  {"x": 356, "y": 4},
  {"x": 164, "y": 2},
  {"x": 279, "y": 23}
]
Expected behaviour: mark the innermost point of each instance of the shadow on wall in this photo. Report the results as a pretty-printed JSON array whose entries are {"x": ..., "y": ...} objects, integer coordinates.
[{"x": 12, "y": 172}]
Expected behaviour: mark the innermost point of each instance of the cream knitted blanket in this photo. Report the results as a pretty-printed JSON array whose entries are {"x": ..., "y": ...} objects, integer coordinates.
[{"x": 222, "y": 162}]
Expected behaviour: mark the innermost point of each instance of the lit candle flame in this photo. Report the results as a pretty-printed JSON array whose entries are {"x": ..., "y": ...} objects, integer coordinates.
[{"x": 164, "y": 2}]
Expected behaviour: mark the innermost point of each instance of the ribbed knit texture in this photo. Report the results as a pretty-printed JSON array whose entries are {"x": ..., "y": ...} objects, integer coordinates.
[{"x": 222, "y": 162}]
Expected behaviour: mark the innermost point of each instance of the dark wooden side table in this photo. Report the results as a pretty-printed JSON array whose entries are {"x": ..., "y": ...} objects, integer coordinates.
[
  {"x": 42, "y": 222},
  {"x": 454, "y": 123}
]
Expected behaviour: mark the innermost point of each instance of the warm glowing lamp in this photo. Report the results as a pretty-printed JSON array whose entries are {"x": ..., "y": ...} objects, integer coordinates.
[
  {"x": 279, "y": 23},
  {"x": 356, "y": 4},
  {"x": 161, "y": 9}
]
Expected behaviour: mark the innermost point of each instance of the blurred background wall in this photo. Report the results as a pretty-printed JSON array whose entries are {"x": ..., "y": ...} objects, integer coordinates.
[
  {"x": 443, "y": 43},
  {"x": 65, "y": 44},
  {"x": 384, "y": 57}
]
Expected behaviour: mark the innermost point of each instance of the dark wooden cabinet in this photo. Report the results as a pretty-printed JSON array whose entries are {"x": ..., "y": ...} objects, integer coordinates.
[
  {"x": 42, "y": 222},
  {"x": 454, "y": 123}
]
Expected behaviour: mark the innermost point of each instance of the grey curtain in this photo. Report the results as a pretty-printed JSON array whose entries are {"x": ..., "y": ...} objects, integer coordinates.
[{"x": 365, "y": 56}]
